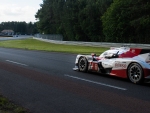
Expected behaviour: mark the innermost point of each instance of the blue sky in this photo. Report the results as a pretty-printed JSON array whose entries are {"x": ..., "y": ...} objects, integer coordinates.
[{"x": 18, "y": 10}]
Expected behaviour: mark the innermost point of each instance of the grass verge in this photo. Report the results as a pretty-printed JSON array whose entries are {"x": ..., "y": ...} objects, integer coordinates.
[
  {"x": 7, "y": 106},
  {"x": 31, "y": 44}
]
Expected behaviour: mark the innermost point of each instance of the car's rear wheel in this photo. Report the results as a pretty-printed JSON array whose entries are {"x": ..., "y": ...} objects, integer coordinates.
[
  {"x": 135, "y": 73},
  {"x": 83, "y": 64}
]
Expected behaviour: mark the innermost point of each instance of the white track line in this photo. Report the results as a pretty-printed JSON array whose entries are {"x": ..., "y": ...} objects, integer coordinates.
[
  {"x": 16, "y": 63},
  {"x": 107, "y": 85}
]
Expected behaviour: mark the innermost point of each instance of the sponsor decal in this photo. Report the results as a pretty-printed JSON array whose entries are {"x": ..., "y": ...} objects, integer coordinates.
[
  {"x": 93, "y": 66},
  {"x": 148, "y": 59},
  {"x": 96, "y": 67},
  {"x": 120, "y": 65},
  {"x": 133, "y": 51}
]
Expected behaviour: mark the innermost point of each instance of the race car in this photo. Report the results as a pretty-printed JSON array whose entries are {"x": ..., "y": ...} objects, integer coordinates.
[{"x": 124, "y": 62}]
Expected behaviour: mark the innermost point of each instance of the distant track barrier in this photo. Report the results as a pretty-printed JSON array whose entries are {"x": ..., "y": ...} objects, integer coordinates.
[
  {"x": 95, "y": 44},
  {"x": 50, "y": 36}
]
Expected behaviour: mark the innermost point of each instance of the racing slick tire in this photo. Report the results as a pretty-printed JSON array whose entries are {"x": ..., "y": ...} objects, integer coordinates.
[
  {"x": 83, "y": 64},
  {"x": 135, "y": 73}
]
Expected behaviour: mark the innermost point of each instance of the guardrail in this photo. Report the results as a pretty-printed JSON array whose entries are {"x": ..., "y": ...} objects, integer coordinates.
[
  {"x": 95, "y": 44},
  {"x": 58, "y": 37}
]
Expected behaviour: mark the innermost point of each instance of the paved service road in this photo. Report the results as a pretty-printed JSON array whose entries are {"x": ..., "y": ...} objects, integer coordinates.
[
  {"x": 15, "y": 37},
  {"x": 44, "y": 82}
]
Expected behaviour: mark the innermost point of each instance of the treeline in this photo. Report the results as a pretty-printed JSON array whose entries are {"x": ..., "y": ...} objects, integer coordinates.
[
  {"x": 96, "y": 20},
  {"x": 127, "y": 21},
  {"x": 19, "y": 27},
  {"x": 75, "y": 19}
]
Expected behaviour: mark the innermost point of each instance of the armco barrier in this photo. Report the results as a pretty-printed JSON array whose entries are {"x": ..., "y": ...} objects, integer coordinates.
[
  {"x": 96, "y": 44},
  {"x": 58, "y": 37}
]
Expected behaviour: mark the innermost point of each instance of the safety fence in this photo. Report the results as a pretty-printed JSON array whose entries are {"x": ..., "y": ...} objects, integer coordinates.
[{"x": 50, "y": 36}]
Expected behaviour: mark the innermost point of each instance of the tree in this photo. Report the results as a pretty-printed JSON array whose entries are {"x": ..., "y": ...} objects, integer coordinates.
[
  {"x": 89, "y": 18},
  {"x": 48, "y": 17},
  {"x": 127, "y": 21},
  {"x": 75, "y": 19},
  {"x": 19, "y": 27}
]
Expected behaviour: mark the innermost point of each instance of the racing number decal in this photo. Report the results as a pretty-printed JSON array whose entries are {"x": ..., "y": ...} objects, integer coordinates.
[
  {"x": 96, "y": 67},
  {"x": 120, "y": 65}
]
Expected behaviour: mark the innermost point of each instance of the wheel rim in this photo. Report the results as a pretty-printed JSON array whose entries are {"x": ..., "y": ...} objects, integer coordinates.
[
  {"x": 135, "y": 73},
  {"x": 82, "y": 64}
]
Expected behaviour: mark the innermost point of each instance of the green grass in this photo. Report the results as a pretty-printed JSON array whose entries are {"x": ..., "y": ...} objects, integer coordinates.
[
  {"x": 32, "y": 44},
  {"x": 9, "y": 107}
]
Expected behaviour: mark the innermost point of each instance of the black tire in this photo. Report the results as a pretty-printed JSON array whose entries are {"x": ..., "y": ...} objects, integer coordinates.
[
  {"x": 135, "y": 73},
  {"x": 83, "y": 64}
]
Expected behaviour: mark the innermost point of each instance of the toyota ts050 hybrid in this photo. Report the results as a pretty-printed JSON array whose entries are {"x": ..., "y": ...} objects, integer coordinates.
[{"x": 125, "y": 62}]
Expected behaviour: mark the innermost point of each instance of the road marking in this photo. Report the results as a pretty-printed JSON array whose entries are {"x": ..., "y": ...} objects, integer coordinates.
[
  {"x": 16, "y": 63},
  {"x": 107, "y": 85}
]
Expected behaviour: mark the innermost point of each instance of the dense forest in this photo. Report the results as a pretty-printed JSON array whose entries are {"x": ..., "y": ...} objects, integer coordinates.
[
  {"x": 75, "y": 19},
  {"x": 19, "y": 27},
  {"x": 127, "y": 21},
  {"x": 96, "y": 20}
]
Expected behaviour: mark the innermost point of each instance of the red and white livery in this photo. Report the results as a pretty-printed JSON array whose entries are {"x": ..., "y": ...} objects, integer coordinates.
[{"x": 125, "y": 62}]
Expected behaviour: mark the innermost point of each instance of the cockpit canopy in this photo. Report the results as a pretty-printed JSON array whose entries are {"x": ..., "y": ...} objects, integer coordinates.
[{"x": 114, "y": 52}]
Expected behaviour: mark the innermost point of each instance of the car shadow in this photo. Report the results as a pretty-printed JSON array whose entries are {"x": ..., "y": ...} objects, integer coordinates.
[
  {"x": 109, "y": 76},
  {"x": 126, "y": 80}
]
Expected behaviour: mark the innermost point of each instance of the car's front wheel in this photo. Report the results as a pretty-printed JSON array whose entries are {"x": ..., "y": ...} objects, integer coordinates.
[
  {"x": 83, "y": 64},
  {"x": 135, "y": 73}
]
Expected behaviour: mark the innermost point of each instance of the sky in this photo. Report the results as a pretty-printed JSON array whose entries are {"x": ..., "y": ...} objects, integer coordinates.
[{"x": 19, "y": 10}]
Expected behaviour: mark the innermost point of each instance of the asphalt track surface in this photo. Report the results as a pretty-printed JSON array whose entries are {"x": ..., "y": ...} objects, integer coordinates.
[{"x": 44, "y": 82}]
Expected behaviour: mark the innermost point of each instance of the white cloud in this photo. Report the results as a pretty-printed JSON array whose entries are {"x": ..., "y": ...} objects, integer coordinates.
[{"x": 16, "y": 12}]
